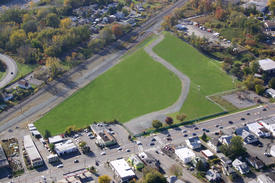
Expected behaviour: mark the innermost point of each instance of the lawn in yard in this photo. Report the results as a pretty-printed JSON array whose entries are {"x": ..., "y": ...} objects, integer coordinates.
[
  {"x": 136, "y": 86},
  {"x": 205, "y": 74}
]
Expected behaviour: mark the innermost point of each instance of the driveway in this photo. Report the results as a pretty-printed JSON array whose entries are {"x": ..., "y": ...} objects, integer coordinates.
[
  {"x": 139, "y": 124},
  {"x": 10, "y": 72}
]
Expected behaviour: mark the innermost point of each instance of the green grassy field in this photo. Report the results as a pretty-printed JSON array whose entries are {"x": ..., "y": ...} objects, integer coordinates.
[
  {"x": 136, "y": 86},
  {"x": 205, "y": 74}
]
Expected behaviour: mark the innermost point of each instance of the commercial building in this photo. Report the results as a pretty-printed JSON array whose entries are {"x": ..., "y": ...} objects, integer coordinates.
[
  {"x": 103, "y": 136},
  {"x": 56, "y": 139},
  {"x": 122, "y": 170},
  {"x": 185, "y": 154},
  {"x": 193, "y": 142},
  {"x": 207, "y": 154},
  {"x": 267, "y": 65},
  {"x": 52, "y": 158},
  {"x": 32, "y": 152},
  {"x": 269, "y": 124},
  {"x": 3, "y": 158},
  {"x": 258, "y": 129},
  {"x": 66, "y": 147}
]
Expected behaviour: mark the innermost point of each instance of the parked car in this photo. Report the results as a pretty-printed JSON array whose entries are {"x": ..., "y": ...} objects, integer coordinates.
[
  {"x": 230, "y": 122},
  {"x": 152, "y": 143},
  {"x": 60, "y": 166},
  {"x": 103, "y": 153},
  {"x": 76, "y": 161},
  {"x": 127, "y": 150},
  {"x": 185, "y": 135},
  {"x": 242, "y": 119},
  {"x": 119, "y": 149}
]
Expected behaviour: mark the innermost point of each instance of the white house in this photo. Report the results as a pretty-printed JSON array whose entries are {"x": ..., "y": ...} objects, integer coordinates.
[
  {"x": 264, "y": 179},
  {"x": 267, "y": 65},
  {"x": 213, "y": 144},
  {"x": 225, "y": 139},
  {"x": 269, "y": 124},
  {"x": 212, "y": 176},
  {"x": 207, "y": 153},
  {"x": 193, "y": 142},
  {"x": 185, "y": 154},
  {"x": 272, "y": 150},
  {"x": 65, "y": 148},
  {"x": 56, "y": 139},
  {"x": 271, "y": 92},
  {"x": 24, "y": 84},
  {"x": 257, "y": 129},
  {"x": 240, "y": 166},
  {"x": 247, "y": 137},
  {"x": 33, "y": 154}
]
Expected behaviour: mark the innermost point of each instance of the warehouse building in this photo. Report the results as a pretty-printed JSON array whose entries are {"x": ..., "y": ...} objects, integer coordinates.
[
  {"x": 122, "y": 170},
  {"x": 3, "y": 158},
  {"x": 65, "y": 148},
  {"x": 32, "y": 152}
]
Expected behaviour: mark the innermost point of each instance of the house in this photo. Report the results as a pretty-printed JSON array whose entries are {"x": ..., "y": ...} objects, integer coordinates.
[
  {"x": 261, "y": 5},
  {"x": 270, "y": 92},
  {"x": 24, "y": 84},
  {"x": 56, "y": 139},
  {"x": 272, "y": 150},
  {"x": 204, "y": 162},
  {"x": 122, "y": 170},
  {"x": 213, "y": 144},
  {"x": 212, "y": 176},
  {"x": 103, "y": 137},
  {"x": 193, "y": 142},
  {"x": 255, "y": 162},
  {"x": 7, "y": 96},
  {"x": 247, "y": 137},
  {"x": 174, "y": 179},
  {"x": 149, "y": 160},
  {"x": 65, "y": 147},
  {"x": 225, "y": 139},
  {"x": 271, "y": 175},
  {"x": 52, "y": 158},
  {"x": 3, "y": 158},
  {"x": 240, "y": 166},
  {"x": 258, "y": 129},
  {"x": 264, "y": 179},
  {"x": 269, "y": 124},
  {"x": 207, "y": 154},
  {"x": 181, "y": 27},
  {"x": 135, "y": 162},
  {"x": 32, "y": 152},
  {"x": 185, "y": 154},
  {"x": 269, "y": 25},
  {"x": 267, "y": 65}
]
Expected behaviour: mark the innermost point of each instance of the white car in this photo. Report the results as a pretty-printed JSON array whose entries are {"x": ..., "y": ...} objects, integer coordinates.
[
  {"x": 119, "y": 149},
  {"x": 139, "y": 143},
  {"x": 60, "y": 166},
  {"x": 103, "y": 153}
]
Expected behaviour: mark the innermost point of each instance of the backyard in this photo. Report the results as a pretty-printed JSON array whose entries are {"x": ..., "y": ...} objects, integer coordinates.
[
  {"x": 205, "y": 74},
  {"x": 136, "y": 86}
]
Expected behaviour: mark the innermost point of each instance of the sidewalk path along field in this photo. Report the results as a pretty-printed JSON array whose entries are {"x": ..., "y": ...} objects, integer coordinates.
[
  {"x": 11, "y": 70},
  {"x": 144, "y": 122}
]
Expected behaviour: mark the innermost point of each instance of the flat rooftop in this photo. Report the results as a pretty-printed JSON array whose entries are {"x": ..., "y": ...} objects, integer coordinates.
[
  {"x": 31, "y": 149},
  {"x": 122, "y": 168},
  {"x": 3, "y": 159},
  {"x": 267, "y": 64}
]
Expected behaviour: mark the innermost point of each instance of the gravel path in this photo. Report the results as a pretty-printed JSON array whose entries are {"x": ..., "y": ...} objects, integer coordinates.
[
  {"x": 10, "y": 71},
  {"x": 139, "y": 124}
]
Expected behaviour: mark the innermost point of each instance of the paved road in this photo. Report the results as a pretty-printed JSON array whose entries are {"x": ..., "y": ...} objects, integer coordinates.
[
  {"x": 11, "y": 70},
  {"x": 57, "y": 91},
  {"x": 144, "y": 122}
]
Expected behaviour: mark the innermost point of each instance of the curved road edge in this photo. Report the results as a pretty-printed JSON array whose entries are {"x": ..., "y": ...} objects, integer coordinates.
[
  {"x": 139, "y": 124},
  {"x": 10, "y": 72}
]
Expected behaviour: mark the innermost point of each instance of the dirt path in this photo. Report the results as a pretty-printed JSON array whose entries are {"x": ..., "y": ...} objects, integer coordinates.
[{"x": 139, "y": 124}]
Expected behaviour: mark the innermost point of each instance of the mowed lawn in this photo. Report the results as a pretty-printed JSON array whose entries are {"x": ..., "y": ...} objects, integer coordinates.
[
  {"x": 136, "y": 86},
  {"x": 205, "y": 74}
]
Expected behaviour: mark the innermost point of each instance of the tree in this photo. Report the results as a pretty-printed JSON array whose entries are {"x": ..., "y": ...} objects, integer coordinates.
[
  {"x": 271, "y": 83},
  {"x": 82, "y": 144},
  {"x": 54, "y": 66},
  {"x": 259, "y": 89},
  {"x": 204, "y": 137},
  {"x": 47, "y": 134},
  {"x": 169, "y": 120},
  {"x": 156, "y": 124},
  {"x": 234, "y": 149},
  {"x": 250, "y": 82},
  {"x": 271, "y": 4},
  {"x": 255, "y": 67},
  {"x": 201, "y": 166},
  {"x": 117, "y": 30},
  {"x": 220, "y": 13},
  {"x": 176, "y": 170},
  {"x": 51, "y": 146},
  {"x": 106, "y": 34},
  {"x": 152, "y": 176},
  {"x": 65, "y": 23},
  {"x": 29, "y": 26},
  {"x": 18, "y": 38},
  {"x": 181, "y": 117},
  {"x": 104, "y": 179},
  {"x": 52, "y": 20}
]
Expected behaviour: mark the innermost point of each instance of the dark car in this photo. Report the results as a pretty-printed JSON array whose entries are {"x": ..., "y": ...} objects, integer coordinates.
[
  {"x": 152, "y": 143},
  {"x": 248, "y": 114},
  {"x": 185, "y": 135},
  {"x": 230, "y": 122},
  {"x": 264, "y": 109},
  {"x": 9, "y": 176},
  {"x": 168, "y": 135},
  {"x": 194, "y": 134},
  {"x": 217, "y": 133},
  {"x": 242, "y": 119},
  {"x": 196, "y": 128},
  {"x": 76, "y": 161},
  {"x": 153, "y": 140},
  {"x": 169, "y": 138},
  {"x": 217, "y": 126}
]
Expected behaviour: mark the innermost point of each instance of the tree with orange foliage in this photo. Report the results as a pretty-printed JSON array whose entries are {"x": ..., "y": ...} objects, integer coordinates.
[
  {"x": 117, "y": 30},
  {"x": 220, "y": 13}
]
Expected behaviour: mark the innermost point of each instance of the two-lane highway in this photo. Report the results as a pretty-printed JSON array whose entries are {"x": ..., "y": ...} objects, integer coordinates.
[{"x": 11, "y": 70}]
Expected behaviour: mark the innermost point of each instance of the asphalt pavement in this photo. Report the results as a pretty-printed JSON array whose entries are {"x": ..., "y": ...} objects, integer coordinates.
[{"x": 11, "y": 70}]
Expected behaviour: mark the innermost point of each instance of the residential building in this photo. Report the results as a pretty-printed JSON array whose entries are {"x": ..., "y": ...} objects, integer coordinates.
[
  {"x": 225, "y": 139},
  {"x": 3, "y": 158},
  {"x": 212, "y": 176},
  {"x": 66, "y": 147},
  {"x": 56, "y": 139},
  {"x": 207, "y": 154},
  {"x": 269, "y": 124},
  {"x": 103, "y": 137},
  {"x": 213, "y": 144},
  {"x": 149, "y": 160},
  {"x": 52, "y": 158},
  {"x": 271, "y": 175},
  {"x": 270, "y": 92},
  {"x": 261, "y": 5},
  {"x": 258, "y": 129},
  {"x": 135, "y": 162},
  {"x": 255, "y": 162},
  {"x": 174, "y": 179},
  {"x": 264, "y": 179},
  {"x": 193, "y": 142},
  {"x": 32, "y": 152},
  {"x": 185, "y": 154},
  {"x": 267, "y": 65},
  {"x": 122, "y": 170},
  {"x": 247, "y": 137},
  {"x": 240, "y": 166},
  {"x": 272, "y": 150}
]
